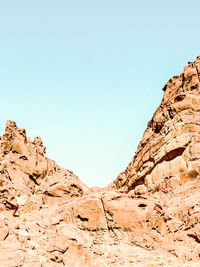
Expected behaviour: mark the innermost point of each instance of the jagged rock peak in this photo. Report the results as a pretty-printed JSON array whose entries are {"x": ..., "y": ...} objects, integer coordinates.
[
  {"x": 170, "y": 146},
  {"x": 25, "y": 169},
  {"x": 11, "y": 124},
  {"x": 11, "y": 127}
]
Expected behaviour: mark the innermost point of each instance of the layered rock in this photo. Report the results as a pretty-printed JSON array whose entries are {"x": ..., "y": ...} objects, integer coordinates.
[{"x": 170, "y": 145}]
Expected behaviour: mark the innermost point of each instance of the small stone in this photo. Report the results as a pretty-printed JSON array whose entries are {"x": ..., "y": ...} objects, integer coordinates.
[{"x": 140, "y": 189}]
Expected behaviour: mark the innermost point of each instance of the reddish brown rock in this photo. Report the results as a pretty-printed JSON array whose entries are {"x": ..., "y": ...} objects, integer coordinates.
[
  {"x": 25, "y": 170},
  {"x": 149, "y": 216},
  {"x": 170, "y": 145}
]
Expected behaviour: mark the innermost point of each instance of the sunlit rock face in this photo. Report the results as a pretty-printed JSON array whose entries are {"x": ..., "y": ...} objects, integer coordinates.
[
  {"x": 170, "y": 145},
  {"x": 149, "y": 216},
  {"x": 25, "y": 169}
]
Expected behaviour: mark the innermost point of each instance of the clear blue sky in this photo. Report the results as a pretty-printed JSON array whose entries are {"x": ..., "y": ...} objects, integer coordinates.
[{"x": 87, "y": 75}]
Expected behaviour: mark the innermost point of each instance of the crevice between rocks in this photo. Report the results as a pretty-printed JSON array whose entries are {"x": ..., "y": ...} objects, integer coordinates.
[
  {"x": 33, "y": 179},
  {"x": 82, "y": 219},
  {"x": 103, "y": 207},
  {"x": 62, "y": 251},
  {"x": 197, "y": 72},
  {"x": 171, "y": 155},
  {"x": 194, "y": 237}
]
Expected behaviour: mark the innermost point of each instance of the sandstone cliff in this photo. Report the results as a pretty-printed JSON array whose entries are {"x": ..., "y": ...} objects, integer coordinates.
[
  {"x": 170, "y": 145},
  {"x": 149, "y": 216},
  {"x": 25, "y": 170}
]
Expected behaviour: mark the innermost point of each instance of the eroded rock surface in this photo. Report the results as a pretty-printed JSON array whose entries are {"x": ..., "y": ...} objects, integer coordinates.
[
  {"x": 28, "y": 177},
  {"x": 149, "y": 216},
  {"x": 170, "y": 145}
]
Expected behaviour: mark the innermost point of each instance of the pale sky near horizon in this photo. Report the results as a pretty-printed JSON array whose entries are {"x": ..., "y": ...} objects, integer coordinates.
[{"x": 87, "y": 75}]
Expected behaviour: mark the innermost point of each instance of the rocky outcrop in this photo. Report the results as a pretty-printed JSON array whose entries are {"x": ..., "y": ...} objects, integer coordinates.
[
  {"x": 170, "y": 145},
  {"x": 27, "y": 173},
  {"x": 149, "y": 216}
]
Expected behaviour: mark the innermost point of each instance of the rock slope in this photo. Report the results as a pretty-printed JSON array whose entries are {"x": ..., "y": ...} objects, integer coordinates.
[
  {"x": 26, "y": 171},
  {"x": 170, "y": 145},
  {"x": 149, "y": 216}
]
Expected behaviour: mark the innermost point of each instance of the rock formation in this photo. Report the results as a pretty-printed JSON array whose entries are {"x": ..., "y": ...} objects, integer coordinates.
[
  {"x": 170, "y": 145},
  {"x": 25, "y": 170},
  {"x": 149, "y": 216}
]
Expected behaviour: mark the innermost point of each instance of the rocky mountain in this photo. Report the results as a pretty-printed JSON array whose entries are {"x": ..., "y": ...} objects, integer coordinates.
[
  {"x": 149, "y": 216},
  {"x": 170, "y": 146}
]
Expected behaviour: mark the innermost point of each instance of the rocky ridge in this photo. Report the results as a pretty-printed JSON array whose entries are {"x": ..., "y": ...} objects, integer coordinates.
[
  {"x": 149, "y": 216},
  {"x": 170, "y": 145}
]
